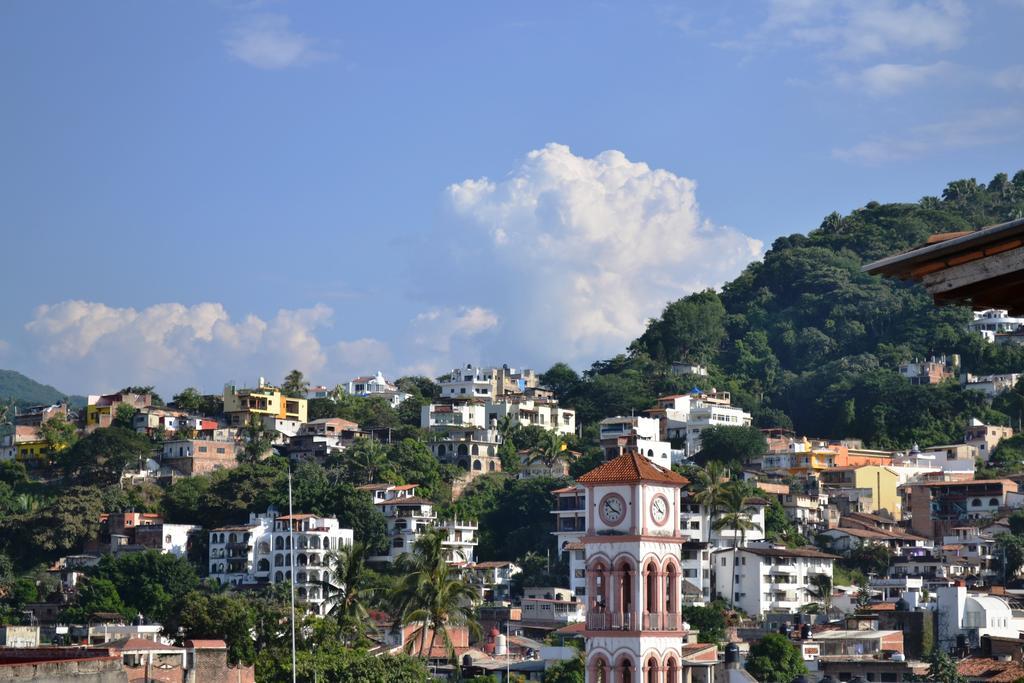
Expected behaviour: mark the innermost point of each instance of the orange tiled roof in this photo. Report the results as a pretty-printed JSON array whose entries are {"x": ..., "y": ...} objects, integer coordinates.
[
  {"x": 990, "y": 670},
  {"x": 631, "y": 467}
]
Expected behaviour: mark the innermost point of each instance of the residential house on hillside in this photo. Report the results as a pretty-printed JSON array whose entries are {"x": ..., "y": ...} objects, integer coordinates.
[
  {"x": 409, "y": 515},
  {"x": 191, "y": 457},
  {"x": 641, "y": 435},
  {"x": 931, "y": 371},
  {"x": 376, "y": 386},
  {"x": 993, "y": 323},
  {"x": 263, "y": 401},
  {"x": 34, "y": 416},
  {"x": 101, "y": 410},
  {"x": 936, "y": 507},
  {"x": 683, "y": 417},
  {"x": 483, "y": 383},
  {"x": 570, "y": 513},
  {"x": 985, "y": 437}
]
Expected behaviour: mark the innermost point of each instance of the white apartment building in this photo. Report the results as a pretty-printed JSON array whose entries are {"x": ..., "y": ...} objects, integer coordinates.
[
  {"x": 376, "y": 385},
  {"x": 484, "y": 383},
  {"x": 408, "y": 516},
  {"x": 474, "y": 450},
  {"x": 769, "y": 578},
  {"x": 493, "y": 578},
  {"x": 992, "y": 322},
  {"x": 261, "y": 552},
  {"x": 695, "y": 565},
  {"x": 809, "y": 512},
  {"x": 551, "y": 606},
  {"x": 488, "y": 413},
  {"x": 619, "y": 435},
  {"x": 570, "y": 526},
  {"x": 685, "y": 416}
]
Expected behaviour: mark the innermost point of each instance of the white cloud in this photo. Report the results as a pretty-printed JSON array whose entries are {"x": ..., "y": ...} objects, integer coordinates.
[
  {"x": 267, "y": 41},
  {"x": 858, "y": 29},
  {"x": 99, "y": 347},
  {"x": 436, "y": 329},
  {"x": 363, "y": 355},
  {"x": 893, "y": 79},
  {"x": 1010, "y": 78},
  {"x": 982, "y": 127},
  {"x": 576, "y": 253}
]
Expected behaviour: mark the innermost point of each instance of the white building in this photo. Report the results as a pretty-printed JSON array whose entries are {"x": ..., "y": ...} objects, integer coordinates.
[
  {"x": 493, "y": 578},
  {"x": 769, "y": 578},
  {"x": 261, "y": 552},
  {"x": 486, "y": 383},
  {"x": 993, "y": 322},
  {"x": 684, "y": 416},
  {"x": 408, "y": 516},
  {"x": 551, "y": 606},
  {"x": 974, "y": 615},
  {"x": 619, "y": 435},
  {"x": 377, "y": 385},
  {"x": 570, "y": 526},
  {"x": 521, "y": 411},
  {"x": 990, "y": 385}
]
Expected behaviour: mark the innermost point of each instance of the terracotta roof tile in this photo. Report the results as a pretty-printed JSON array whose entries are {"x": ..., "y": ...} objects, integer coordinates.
[
  {"x": 990, "y": 670},
  {"x": 631, "y": 467}
]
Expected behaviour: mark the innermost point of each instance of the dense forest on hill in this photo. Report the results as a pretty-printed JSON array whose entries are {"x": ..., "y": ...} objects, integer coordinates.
[
  {"x": 804, "y": 339},
  {"x": 24, "y": 391}
]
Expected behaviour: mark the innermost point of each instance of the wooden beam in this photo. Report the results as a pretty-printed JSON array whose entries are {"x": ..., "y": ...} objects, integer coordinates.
[{"x": 975, "y": 271}]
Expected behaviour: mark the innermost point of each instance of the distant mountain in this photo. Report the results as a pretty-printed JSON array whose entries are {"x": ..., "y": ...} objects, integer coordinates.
[{"x": 26, "y": 391}]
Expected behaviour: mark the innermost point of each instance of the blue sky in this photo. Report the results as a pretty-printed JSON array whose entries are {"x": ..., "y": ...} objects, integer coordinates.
[{"x": 204, "y": 191}]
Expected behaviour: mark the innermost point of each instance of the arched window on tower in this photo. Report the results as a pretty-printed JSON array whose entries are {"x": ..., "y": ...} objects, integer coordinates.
[
  {"x": 672, "y": 670},
  {"x": 625, "y": 669},
  {"x": 651, "y": 595},
  {"x": 600, "y": 670},
  {"x": 652, "y": 670}
]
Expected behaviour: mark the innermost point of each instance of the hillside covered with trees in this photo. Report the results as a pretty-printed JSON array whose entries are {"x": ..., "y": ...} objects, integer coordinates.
[{"x": 804, "y": 339}]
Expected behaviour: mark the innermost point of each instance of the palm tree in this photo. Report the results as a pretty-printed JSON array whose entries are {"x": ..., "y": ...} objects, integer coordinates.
[
  {"x": 549, "y": 451},
  {"x": 347, "y": 584},
  {"x": 256, "y": 440},
  {"x": 710, "y": 487},
  {"x": 366, "y": 459},
  {"x": 735, "y": 516},
  {"x": 433, "y": 595},
  {"x": 295, "y": 385},
  {"x": 821, "y": 590}
]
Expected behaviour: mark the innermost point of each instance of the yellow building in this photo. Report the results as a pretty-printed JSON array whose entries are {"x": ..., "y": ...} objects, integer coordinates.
[
  {"x": 24, "y": 444},
  {"x": 883, "y": 483},
  {"x": 265, "y": 401}
]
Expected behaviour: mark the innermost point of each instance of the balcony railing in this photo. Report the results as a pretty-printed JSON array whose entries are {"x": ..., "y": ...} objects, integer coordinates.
[{"x": 612, "y": 621}]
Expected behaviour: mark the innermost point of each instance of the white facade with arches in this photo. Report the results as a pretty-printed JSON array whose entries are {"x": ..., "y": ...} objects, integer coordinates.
[{"x": 262, "y": 552}]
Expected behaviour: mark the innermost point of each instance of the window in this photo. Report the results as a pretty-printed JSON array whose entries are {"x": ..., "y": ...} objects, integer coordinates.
[
  {"x": 220, "y": 450},
  {"x": 202, "y": 449}
]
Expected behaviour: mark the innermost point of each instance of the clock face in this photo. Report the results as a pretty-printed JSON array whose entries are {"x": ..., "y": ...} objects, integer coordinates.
[
  {"x": 659, "y": 509},
  {"x": 612, "y": 509}
]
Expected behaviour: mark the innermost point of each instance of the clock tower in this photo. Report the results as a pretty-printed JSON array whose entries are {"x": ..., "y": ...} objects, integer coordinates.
[{"x": 634, "y": 630}]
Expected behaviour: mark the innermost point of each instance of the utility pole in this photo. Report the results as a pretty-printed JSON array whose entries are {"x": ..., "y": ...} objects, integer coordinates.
[{"x": 291, "y": 575}]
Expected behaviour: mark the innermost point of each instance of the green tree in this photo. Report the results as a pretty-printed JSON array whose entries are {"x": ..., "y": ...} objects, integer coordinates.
[
  {"x": 736, "y": 517},
  {"x": 692, "y": 328},
  {"x": 567, "y": 671},
  {"x": 97, "y": 595},
  {"x": 124, "y": 416},
  {"x": 148, "y": 582},
  {"x": 733, "y": 446},
  {"x": 355, "y": 510},
  {"x": 708, "y": 620},
  {"x": 710, "y": 487},
  {"x": 189, "y": 400},
  {"x": 775, "y": 659},
  {"x": 943, "y": 669},
  {"x": 821, "y": 590},
  {"x": 551, "y": 450},
  {"x": 59, "y": 434},
  {"x": 433, "y": 596},
  {"x": 349, "y": 585},
  {"x": 256, "y": 440},
  {"x": 368, "y": 462},
  {"x": 102, "y": 457},
  {"x": 295, "y": 385},
  {"x": 222, "y": 616}
]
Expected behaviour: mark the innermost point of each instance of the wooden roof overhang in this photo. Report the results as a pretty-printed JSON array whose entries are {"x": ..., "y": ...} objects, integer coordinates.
[{"x": 983, "y": 268}]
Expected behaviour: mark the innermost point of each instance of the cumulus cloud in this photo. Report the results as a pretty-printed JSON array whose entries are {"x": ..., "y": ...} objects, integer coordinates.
[
  {"x": 978, "y": 128},
  {"x": 578, "y": 252},
  {"x": 436, "y": 329},
  {"x": 361, "y": 355},
  {"x": 892, "y": 79},
  {"x": 860, "y": 29},
  {"x": 267, "y": 41},
  {"x": 104, "y": 347}
]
